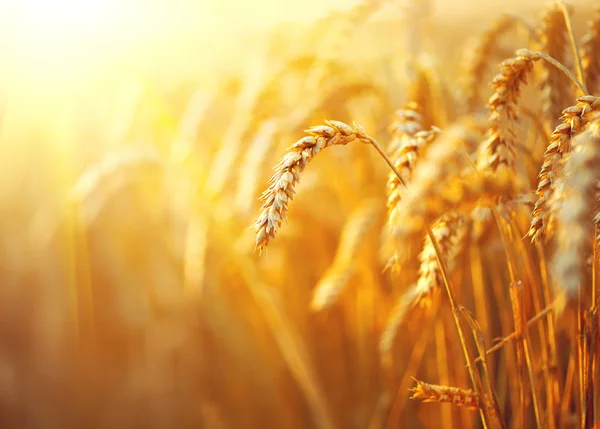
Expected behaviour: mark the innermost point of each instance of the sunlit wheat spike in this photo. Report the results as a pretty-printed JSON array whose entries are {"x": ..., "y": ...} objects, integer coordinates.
[
  {"x": 575, "y": 216},
  {"x": 573, "y": 120},
  {"x": 438, "y": 188},
  {"x": 337, "y": 276},
  {"x": 461, "y": 193},
  {"x": 499, "y": 146},
  {"x": 449, "y": 232},
  {"x": 478, "y": 58},
  {"x": 590, "y": 55},
  {"x": 405, "y": 159},
  {"x": 408, "y": 138},
  {"x": 287, "y": 174},
  {"x": 552, "y": 36},
  {"x": 408, "y": 121},
  {"x": 426, "y": 392}
]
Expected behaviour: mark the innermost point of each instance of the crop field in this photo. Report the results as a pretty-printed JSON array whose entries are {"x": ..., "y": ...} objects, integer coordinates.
[{"x": 374, "y": 215}]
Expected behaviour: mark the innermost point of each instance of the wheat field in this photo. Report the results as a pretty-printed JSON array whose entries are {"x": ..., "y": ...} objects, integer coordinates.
[{"x": 382, "y": 215}]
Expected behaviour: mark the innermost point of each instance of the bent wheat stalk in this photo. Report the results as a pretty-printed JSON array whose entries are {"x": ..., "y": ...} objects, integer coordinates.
[
  {"x": 590, "y": 55},
  {"x": 281, "y": 190},
  {"x": 552, "y": 36}
]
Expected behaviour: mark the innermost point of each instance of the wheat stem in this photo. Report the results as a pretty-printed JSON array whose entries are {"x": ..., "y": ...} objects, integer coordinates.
[
  {"x": 571, "y": 33},
  {"x": 557, "y": 64},
  {"x": 445, "y": 277}
]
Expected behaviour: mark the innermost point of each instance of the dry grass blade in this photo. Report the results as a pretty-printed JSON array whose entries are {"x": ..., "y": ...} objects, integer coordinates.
[
  {"x": 287, "y": 174},
  {"x": 573, "y": 120}
]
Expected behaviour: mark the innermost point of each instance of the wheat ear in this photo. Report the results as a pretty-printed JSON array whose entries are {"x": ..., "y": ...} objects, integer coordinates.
[
  {"x": 287, "y": 174},
  {"x": 459, "y": 193},
  {"x": 426, "y": 392},
  {"x": 449, "y": 232},
  {"x": 575, "y": 217},
  {"x": 573, "y": 120},
  {"x": 499, "y": 147}
]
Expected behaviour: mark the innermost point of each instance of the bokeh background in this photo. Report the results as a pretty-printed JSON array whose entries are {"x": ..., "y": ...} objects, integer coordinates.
[{"x": 135, "y": 139}]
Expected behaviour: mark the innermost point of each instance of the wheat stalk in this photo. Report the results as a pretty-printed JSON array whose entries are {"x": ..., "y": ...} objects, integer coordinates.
[{"x": 590, "y": 52}]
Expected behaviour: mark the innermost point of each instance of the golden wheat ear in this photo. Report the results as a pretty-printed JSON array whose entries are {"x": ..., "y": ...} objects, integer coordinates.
[
  {"x": 287, "y": 174},
  {"x": 575, "y": 216},
  {"x": 573, "y": 121},
  {"x": 500, "y": 146},
  {"x": 426, "y": 392},
  {"x": 449, "y": 232}
]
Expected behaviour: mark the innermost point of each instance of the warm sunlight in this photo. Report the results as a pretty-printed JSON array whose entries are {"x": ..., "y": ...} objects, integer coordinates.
[
  {"x": 58, "y": 21},
  {"x": 299, "y": 214}
]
